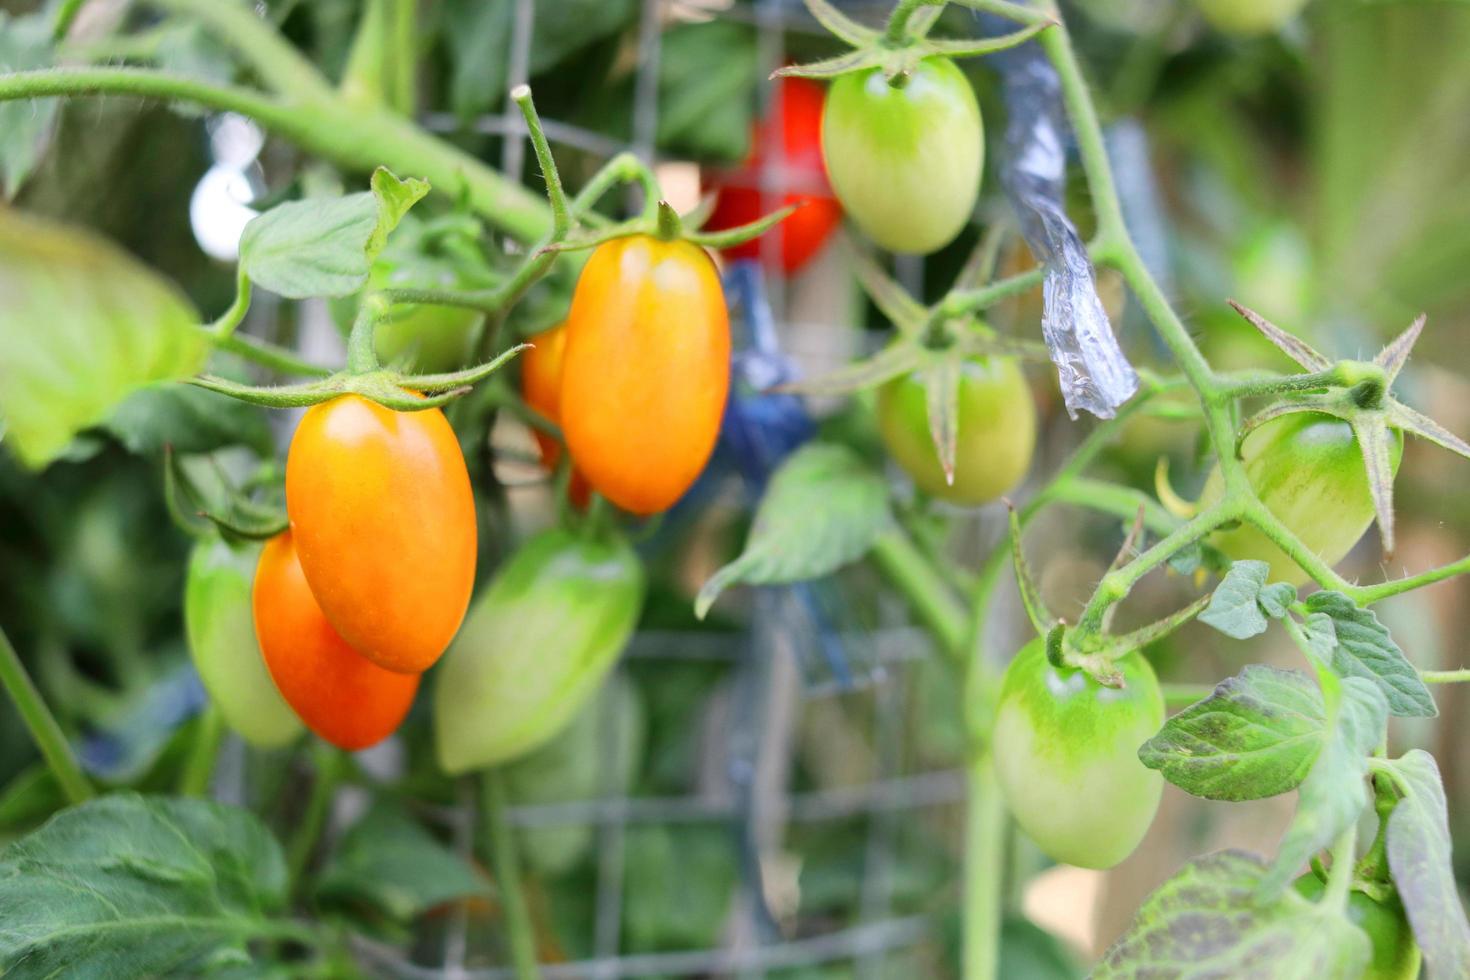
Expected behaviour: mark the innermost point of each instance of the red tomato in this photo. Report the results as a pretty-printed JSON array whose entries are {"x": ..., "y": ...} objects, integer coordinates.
[
  {"x": 646, "y": 370},
  {"x": 384, "y": 519},
  {"x": 541, "y": 387},
  {"x": 742, "y": 201},
  {"x": 343, "y": 697}
]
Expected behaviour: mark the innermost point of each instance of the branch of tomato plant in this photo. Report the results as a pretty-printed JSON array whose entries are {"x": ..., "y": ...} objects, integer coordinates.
[
  {"x": 45, "y": 732},
  {"x": 328, "y": 763},
  {"x": 924, "y": 587},
  {"x": 985, "y": 842},
  {"x": 1445, "y": 676},
  {"x": 505, "y": 861},
  {"x": 203, "y": 751}
]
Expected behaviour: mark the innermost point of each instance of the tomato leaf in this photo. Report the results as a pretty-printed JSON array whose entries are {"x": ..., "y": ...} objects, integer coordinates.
[
  {"x": 189, "y": 419},
  {"x": 1207, "y": 922},
  {"x": 942, "y": 400},
  {"x": 130, "y": 885},
  {"x": 82, "y": 326},
  {"x": 25, "y": 124},
  {"x": 1256, "y": 735},
  {"x": 389, "y": 863},
  {"x": 1234, "y": 608},
  {"x": 1423, "y": 872},
  {"x": 1334, "y": 793},
  {"x": 325, "y": 246},
  {"x": 1364, "y": 649},
  {"x": 824, "y": 508}
]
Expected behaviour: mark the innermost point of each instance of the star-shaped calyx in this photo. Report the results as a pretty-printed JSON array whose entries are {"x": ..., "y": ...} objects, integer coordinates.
[{"x": 1359, "y": 393}]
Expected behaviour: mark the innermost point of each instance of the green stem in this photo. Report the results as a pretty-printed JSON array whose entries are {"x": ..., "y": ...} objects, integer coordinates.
[
  {"x": 199, "y": 767},
  {"x": 1368, "y": 594},
  {"x": 962, "y": 301},
  {"x": 45, "y": 732},
  {"x": 925, "y": 589},
  {"x": 1340, "y": 877},
  {"x": 404, "y": 95},
  {"x": 362, "y": 351},
  {"x": 896, "y": 33},
  {"x": 985, "y": 826},
  {"x": 278, "y": 64},
  {"x": 328, "y": 763},
  {"x": 506, "y": 864},
  {"x": 1110, "y": 498},
  {"x": 1445, "y": 676},
  {"x": 1183, "y": 695},
  {"x": 270, "y": 355},
  {"x": 1253, "y": 387},
  {"x": 66, "y": 12},
  {"x": 235, "y": 315}
]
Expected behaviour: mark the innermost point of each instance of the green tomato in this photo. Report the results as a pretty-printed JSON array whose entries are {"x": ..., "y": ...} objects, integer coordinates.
[
  {"x": 1066, "y": 756},
  {"x": 1307, "y": 469},
  {"x": 996, "y": 436},
  {"x": 905, "y": 162},
  {"x": 1249, "y": 17},
  {"x": 1395, "y": 954},
  {"x": 425, "y": 339},
  {"x": 221, "y": 631}
]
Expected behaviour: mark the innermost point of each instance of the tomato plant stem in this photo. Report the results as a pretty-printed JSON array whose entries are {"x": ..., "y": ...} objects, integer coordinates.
[
  {"x": 44, "y": 730},
  {"x": 328, "y": 765},
  {"x": 506, "y": 863},
  {"x": 199, "y": 767},
  {"x": 1340, "y": 877},
  {"x": 275, "y": 61},
  {"x": 924, "y": 588},
  {"x": 1445, "y": 676},
  {"x": 985, "y": 859},
  {"x": 269, "y": 355},
  {"x": 403, "y": 94}
]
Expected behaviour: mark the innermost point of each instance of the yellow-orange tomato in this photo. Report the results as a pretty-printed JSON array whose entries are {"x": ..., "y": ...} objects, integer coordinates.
[
  {"x": 646, "y": 370},
  {"x": 541, "y": 387},
  {"x": 343, "y": 697},
  {"x": 384, "y": 520}
]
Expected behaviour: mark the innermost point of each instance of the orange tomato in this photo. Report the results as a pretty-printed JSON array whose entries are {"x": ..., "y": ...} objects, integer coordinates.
[
  {"x": 384, "y": 521},
  {"x": 343, "y": 697},
  {"x": 541, "y": 387},
  {"x": 646, "y": 370}
]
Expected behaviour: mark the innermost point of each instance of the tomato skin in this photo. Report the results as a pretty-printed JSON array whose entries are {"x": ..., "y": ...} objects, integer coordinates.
[
  {"x": 424, "y": 339},
  {"x": 1066, "y": 756},
  {"x": 996, "y": 437},
  {"x": 541, "y": 387},
  {"x": 343, "y": 697},
  {"x": 905, "y": 162},
  {"x": 1307, "y": 469},
  {"x": 221, "y": 632},
  {"x": 384, "y": 520},
  {"x": 741, "y": 199},
  {"x": 646, "y": 370},
  {"x": 1245, "y": 18},
  {"x": 1396, "y": 955}
]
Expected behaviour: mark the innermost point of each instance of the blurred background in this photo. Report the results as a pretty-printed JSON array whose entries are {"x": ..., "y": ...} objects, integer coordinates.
[{"x": 778, "y": 791}]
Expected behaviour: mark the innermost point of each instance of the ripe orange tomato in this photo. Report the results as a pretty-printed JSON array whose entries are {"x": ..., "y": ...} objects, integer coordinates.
[
  {"x": 646, "y": 371},
  {"x": 343, "y": 697},
  {"x": 541, "y": 387},
  {"x": 384, "y": 520}
]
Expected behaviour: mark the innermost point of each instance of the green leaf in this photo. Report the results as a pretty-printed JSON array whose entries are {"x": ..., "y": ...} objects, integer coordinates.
[
  {"x": 189, "y": 419},
  {"x": 1234, "y": 609},
  {"x": 823, "y": 509},
  {"x": 130, "y": 885},
  {"x": 1256, "y": 736},
  {"x": 82, "y": 326},
  {"x": 1364, "y": 649},
  {"x": 1423, "y": 872},
  {"x": 678, "y": 885},
  {"x": 1276, "y": 598},
  {"x": 1334, "y": 792},
  {"x": 326, "y": 246},
  {"x": 1321, "y": 635},
  {"x": 25, "y": 124},
  {"x": 1206, "y": 922},
  {"x": 388, "y": 862}
]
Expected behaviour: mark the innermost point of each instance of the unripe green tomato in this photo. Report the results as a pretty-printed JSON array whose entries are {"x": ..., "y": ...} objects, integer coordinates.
[
  {"x": 1066, "y": 756},
  {"x": 1395, "y": 954},
  {"x": 905, "y": 162},
  {"x": 424, "y": 339},
  {"x": 994, "y": 442},
  {"x": 221, "y": 631},
  {"x": 1248, "y": 17},
  {"x": 1308, "y": 470}
]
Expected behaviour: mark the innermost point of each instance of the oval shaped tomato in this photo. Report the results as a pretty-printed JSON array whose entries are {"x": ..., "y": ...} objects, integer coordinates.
[
  {"x": 218, "y": 623},
  {"x": 420, "y": 338},
  {"x": 1066, "y": 756},
  {"x": 1396, "y": 955},
  {"x": 646, "y": 370},
  {"x": 996, "y": 436},
  {"x": 537, "y": 645},
  {"x": 343, "y": 697},
  {"x": 1248, "y": 17},
  {"x": 1308, "y": 471},
  {"x": 743, "y": 198},
  {"x": 384, "y": 520},
  {"x": 905, "y": 162},
  {"x": 541, "y": 387}
]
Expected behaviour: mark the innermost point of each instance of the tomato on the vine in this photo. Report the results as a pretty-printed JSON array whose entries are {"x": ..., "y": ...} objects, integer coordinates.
[
  {"x": 1066, "y": 756},
  {"x": 217, "y": 620},
  {"x": 384, "y": 519},
  {"x": 994, "y": 442},
  {"x": 742, "y": 198},
  {"x": 646, "y": 370},
  {"x": 541, "y": 368},
  {"x": 343, "y": 697},
  {"x": 1248, "y": 17},
  {"x": 905, "y": 161},
  {"x": 1396, "y": 955},
  {"x": 1308, "y": 470},
  {"x": 426, "y": 339}
]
